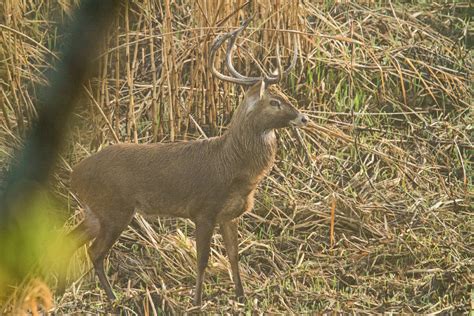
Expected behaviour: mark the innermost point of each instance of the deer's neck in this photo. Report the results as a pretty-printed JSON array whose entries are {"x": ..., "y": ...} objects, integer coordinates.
[{"x": 249, "y": 149}]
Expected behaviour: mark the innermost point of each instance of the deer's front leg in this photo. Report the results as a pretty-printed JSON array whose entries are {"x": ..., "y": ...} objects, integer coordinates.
[
  {"x": 231, "y": 242},
  {"x": 204, "y": 230}
]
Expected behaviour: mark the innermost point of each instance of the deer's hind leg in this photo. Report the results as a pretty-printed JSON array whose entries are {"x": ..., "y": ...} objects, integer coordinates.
[
  {"x": 80, "y": 235},
  {"x": 109, "y": 232}
]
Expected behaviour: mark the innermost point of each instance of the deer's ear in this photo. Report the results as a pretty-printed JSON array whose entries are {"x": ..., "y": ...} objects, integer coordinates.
[
  {"x": 263, "y": 86},
  {"x": 255, "y": 94}
]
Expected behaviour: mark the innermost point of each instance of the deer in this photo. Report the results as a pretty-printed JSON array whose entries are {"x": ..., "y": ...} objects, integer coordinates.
[{"x": 210, "y": 181}]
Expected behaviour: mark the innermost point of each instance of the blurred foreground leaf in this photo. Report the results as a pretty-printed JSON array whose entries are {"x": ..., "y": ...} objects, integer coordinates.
[{"x": 29, "y": 242}]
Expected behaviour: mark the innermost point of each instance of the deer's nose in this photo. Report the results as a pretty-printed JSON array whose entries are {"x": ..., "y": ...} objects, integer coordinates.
[{"x": 304, "y": 119}]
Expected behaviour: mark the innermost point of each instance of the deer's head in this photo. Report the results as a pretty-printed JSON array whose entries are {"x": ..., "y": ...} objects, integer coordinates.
[{"x": 265, "y": 105}]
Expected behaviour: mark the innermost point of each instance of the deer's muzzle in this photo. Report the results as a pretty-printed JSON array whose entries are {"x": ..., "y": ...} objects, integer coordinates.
[{"x": 300, "y": 121}]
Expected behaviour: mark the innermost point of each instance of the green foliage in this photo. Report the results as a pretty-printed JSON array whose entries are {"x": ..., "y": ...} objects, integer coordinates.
[{"x": 35, "y": 244}]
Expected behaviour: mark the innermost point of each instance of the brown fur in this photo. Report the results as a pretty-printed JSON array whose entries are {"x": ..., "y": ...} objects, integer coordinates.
[{"x": 209, "y": 181}]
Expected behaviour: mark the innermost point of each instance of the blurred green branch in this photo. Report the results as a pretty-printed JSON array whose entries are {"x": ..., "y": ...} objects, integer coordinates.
[{"x": 22, "y": 235}]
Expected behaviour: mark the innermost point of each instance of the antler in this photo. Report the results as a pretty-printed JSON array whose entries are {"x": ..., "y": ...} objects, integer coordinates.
[{"x": 236, "y": 76}]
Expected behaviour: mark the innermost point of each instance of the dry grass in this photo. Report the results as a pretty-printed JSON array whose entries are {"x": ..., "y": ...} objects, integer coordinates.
[{"x": 368, "y": 211}]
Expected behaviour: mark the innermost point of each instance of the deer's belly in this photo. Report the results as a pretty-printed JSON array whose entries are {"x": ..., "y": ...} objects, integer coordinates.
[{"x": 163, "y": 207}]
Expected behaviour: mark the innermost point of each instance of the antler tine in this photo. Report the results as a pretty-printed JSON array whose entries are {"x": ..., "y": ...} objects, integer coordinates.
[
  {"x": 293, "y": 60},
  {"x": 273, "y": 79},
  {"x": 230, "y": 49},
  {"x": 238, "y": 78},
  {"x": 228, "y": 54},
  {"x": 280, "y": 68}
]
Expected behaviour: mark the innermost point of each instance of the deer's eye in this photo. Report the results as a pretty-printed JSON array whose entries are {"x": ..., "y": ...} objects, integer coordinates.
[{"x": 275, "y": 103}]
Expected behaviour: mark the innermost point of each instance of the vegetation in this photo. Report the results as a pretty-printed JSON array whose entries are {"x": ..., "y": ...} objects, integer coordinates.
[{"x": 370, "y": 211}]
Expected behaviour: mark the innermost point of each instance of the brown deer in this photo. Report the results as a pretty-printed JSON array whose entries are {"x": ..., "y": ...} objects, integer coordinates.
[{"x": 209, "y": 181}]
